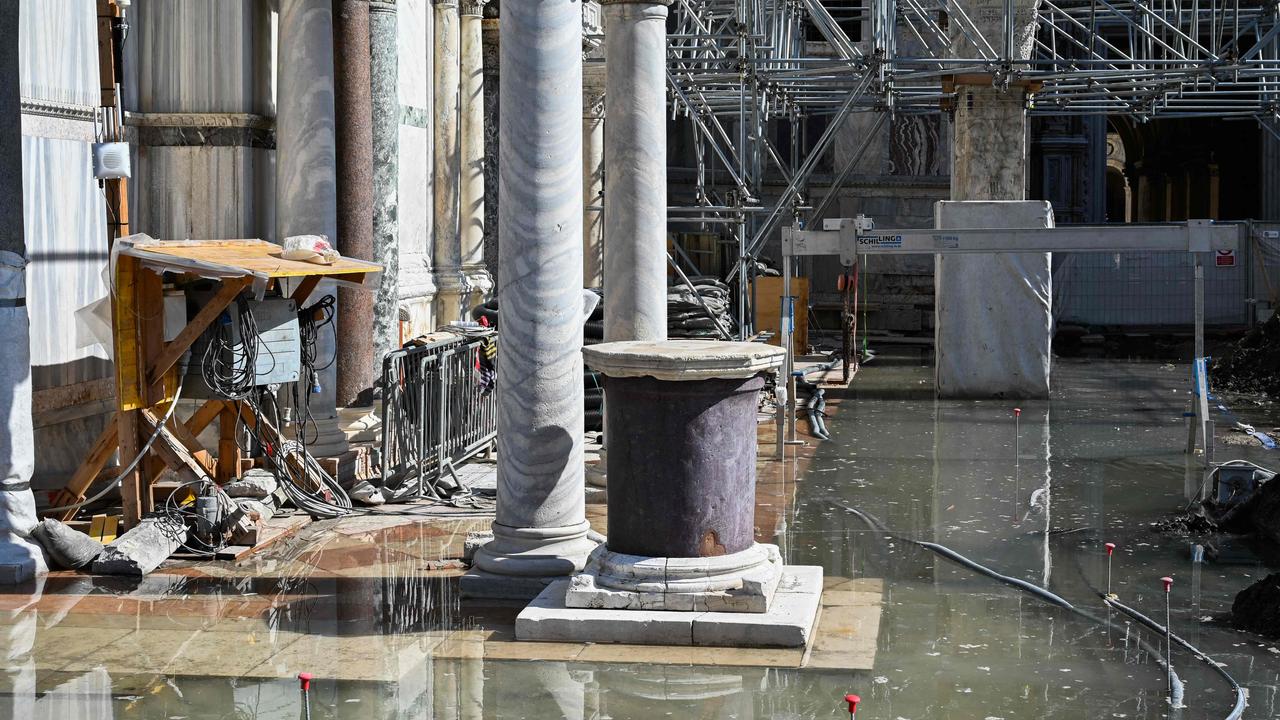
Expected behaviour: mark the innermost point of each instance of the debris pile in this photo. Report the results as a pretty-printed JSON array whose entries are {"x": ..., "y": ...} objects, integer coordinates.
[
  {"x": 1257, "y": 607},
  {"x": 1252, "y": 365}
]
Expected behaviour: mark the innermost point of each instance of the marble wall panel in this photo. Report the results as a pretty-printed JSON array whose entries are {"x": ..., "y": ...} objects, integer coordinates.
[
  {"x": 203, "y": 192},
  {"x": 58, "y": 47}
]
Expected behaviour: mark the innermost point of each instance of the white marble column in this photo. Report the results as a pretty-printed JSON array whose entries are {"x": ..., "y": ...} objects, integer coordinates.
[
  {"x": 635, "y": 170},
  {"x": 384, "y": 66},
  {"x": 306, "y": 187},
  {"x": 446, "y": 253},
  {"x": 593, "y": 100},
  {"x": 471, "y": 134},
  {"x": 415, "y": 182},
  {"x": 540, "y": 532},
  {"x": 989, "y": 162}
]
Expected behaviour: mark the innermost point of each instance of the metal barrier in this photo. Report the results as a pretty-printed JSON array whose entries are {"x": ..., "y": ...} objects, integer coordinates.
[{"x": 438, "y": 409}]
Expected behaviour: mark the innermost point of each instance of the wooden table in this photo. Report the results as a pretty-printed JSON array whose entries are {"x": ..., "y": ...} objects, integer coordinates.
[{"x": 146, "y": 372}]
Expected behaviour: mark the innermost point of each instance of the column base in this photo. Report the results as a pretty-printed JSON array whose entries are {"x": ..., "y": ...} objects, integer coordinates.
[
  {"x": 740, "y": 582},
  {"x": 20, "y": 559},
  {"x": 327, "y": 438},
  {"x": 597, "y": 474},
  {"x": 519, "y": 563},
  {"x": 453, "y": 288}
]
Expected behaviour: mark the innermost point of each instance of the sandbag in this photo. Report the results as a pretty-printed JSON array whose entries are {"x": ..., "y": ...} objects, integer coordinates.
[{"x": 67, "y": 547}]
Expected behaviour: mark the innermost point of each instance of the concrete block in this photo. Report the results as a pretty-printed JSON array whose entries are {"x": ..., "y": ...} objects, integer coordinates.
[
  {"x": 547, "y": 619},
  {"x": 143, "y": 548},
  {"x": 789, "y": 621}
]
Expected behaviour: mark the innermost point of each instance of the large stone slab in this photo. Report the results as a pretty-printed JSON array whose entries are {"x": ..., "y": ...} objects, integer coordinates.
[{"x": 789, "y": 621}]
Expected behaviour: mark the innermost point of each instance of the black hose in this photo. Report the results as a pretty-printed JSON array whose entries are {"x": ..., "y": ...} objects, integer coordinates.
[
  {"x": 1241, "y": 698},
  {"x": 1178, "y": 689}
]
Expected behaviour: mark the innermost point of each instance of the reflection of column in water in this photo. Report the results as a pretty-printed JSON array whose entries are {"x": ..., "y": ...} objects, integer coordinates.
[
  {"x": 1197, "y": 564},
  {"x": 973, "y": 473},
  {"x": 655, "y": 691},
  {"x": 471, "y": 687},
  {"x": 17, "y": 639},
  {"x": 540, "y": 690}
]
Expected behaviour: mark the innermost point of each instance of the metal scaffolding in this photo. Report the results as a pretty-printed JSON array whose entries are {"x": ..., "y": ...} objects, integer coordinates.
[{"x": 738, "y": 69}]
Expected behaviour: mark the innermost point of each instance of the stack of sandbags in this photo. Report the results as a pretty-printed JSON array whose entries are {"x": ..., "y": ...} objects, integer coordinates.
[{"x": 686, "y": 317}]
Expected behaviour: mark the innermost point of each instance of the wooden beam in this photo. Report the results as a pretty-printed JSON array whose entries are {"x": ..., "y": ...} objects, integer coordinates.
[
  {"x": 173, "y": 351},
  {"x": 192, "y": 444},
  {"x": 205, "y": 414},
  {"x": 305, "y": 288},
  {"x": 131, "y": 495},
  {"x": 228, "y": 448},
  {"x": 173, "y": 452}
]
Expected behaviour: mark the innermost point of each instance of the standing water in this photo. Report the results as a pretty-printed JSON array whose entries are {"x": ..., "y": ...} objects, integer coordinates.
[{"x": 1035, "y": 496}]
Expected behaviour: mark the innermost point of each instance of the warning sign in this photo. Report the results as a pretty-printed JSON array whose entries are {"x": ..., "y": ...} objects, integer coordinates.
[{"x": 1225, "y": 258}]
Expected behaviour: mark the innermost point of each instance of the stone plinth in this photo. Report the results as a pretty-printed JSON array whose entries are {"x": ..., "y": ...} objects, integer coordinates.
[{"x": 682, "y": 415}]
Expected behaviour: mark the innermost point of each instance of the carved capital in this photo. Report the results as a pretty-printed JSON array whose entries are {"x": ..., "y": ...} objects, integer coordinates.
[{"x": 472, "y": 8}]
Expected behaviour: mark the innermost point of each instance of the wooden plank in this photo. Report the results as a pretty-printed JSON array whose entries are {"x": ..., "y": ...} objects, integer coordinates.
[
  {"x": 150, "y": 303},
  {"x": 192, "y": 444},
  {"x": 110, "y": 528},
  {"x": 304, "y": 290},
  {"x": 174, "y": 454},
  {"x": 769, "y": 310},
  {"x": 173, "y": 351},
  {"x": 96, "y": 523},
  {"x": 103, "y": 448},
  {"x": 65, "y": 396},
  {"x": 253, "y": 256},
  {"x": 132, "y": 498},
  {"x": 273, "y": 531},
  {"x": 124, "y": 333},
  {"x": 228, "y": 448},
  {"x": 204, "y": 415}
]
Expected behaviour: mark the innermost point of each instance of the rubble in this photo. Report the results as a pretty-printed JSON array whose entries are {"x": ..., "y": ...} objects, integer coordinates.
[
  {"x": 1257, "y": 607},
  {"x": 1250, "y": 366},
  {"x": 143, "y": 548}
]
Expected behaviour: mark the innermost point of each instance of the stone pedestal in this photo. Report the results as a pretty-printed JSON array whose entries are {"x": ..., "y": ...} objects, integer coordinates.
[{"x": 681, "y": 565}]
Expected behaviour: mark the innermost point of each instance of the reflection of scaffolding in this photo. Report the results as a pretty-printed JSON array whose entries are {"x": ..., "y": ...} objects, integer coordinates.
[{"x": 741, "y": 68}]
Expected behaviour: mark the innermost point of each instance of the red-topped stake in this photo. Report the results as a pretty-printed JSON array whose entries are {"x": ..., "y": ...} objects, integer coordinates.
[
  {"x": 1168, "y": 583},
  {"x": 1017, "y": 412},
  {"x": 1111, "y": 549},
  {"x": 853, "y": 701},
  {"x": 304, "y": 685}
]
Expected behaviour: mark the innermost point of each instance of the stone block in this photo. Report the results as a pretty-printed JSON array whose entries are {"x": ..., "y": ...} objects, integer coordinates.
[
  {"x": 547, "y": 619},
  {"x": 789, "y": 621}
]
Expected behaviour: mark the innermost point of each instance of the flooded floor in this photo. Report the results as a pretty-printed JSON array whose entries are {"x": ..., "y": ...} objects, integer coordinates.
[{"x": 374, "y": 605}]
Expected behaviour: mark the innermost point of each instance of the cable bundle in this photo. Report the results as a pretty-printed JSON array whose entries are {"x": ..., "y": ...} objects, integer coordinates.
[{"x": 230, "y": 364}]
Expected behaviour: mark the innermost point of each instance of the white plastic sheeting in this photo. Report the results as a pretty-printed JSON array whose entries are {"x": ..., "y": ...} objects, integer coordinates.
[
  {"x": 20, "y": 558},
  {"x": 994, "y": 321}
]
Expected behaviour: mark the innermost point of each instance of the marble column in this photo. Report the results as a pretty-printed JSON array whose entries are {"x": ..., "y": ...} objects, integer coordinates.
[
  {"x": 446, "y": 253},
  {"x": 416, "y": 177},
  {"x": 383, "y": 67},
  {"x": 471, "y": 136},
  {"x": 354, "y": 135},
  {"x": 491, "y": 64},
  {"x": 989, "y": 162},
  {"x": 635, "y": 170},
  {"x": 306, "y": 162},
  {"x": 540, "y": 532},
  {"x": 20, "y": 558},
  {"x": 593, "y": 83}
]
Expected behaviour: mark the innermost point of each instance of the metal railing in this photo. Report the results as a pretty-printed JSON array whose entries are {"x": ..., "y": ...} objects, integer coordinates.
[{"x": 438, "y": 410}]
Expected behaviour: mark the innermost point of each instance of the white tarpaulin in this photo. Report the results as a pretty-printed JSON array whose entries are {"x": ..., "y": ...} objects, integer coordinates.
[
  {"x": 20, "y": 558},
  {"x": 994, "y": 320}
]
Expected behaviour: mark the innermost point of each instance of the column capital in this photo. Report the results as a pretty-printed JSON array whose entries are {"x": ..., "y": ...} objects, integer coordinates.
[
  {"x": 472, "y": 8},
  {"x": 382, "y": 6},
  {"x": 444, "y": 4}
]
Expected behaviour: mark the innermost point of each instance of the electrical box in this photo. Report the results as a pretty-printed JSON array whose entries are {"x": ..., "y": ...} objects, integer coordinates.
[
  {"x": 111, "y": 161},
  {"x": 279, "y": 347},
  {"x": 1235, "y": 481}
]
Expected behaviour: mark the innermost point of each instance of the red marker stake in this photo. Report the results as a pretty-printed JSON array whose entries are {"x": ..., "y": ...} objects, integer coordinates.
[
  {"x": 1168, "y": 633},
  {"x": 853, "y": 701},
  {"x": 304, "y": 685},
  {"x": 1111, "y": 548}
]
